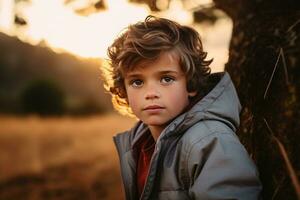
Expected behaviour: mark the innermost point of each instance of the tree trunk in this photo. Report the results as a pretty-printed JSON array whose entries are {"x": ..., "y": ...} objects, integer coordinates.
[{"x": 264, "y": 63}]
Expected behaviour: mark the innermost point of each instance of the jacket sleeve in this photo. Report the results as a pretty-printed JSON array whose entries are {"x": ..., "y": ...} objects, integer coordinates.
[{"x": 219, "y": 168}]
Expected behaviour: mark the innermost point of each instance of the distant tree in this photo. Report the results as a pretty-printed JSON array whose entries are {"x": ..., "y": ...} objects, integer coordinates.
[
  {"x": 89, "y": 7},
  {"x": 43, "y": 97},
  {"x": 19, "y": 20}
]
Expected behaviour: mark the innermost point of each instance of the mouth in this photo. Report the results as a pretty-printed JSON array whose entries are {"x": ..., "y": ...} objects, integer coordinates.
[{"x": 153, "y": 108}]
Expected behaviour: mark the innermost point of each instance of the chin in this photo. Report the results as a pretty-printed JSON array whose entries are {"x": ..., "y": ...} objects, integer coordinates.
[{"x": 156, "y": 122}]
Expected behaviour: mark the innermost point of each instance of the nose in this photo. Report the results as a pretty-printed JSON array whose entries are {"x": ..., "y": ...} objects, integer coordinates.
[{"x": 152, "y": 93}]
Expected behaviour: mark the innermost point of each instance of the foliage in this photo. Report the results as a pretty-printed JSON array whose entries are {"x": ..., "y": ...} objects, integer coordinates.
[{"x": 43, "y": 97}]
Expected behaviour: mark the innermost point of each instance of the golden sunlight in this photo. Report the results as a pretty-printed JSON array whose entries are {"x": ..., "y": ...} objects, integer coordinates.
[
  {"x": 87, "y": 36},
  {"x": 6, "y": 15},
  {"x": 61, "y": 28}
]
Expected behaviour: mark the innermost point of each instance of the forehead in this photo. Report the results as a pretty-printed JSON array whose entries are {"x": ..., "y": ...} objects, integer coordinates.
[{"x": 168, "y": 60}]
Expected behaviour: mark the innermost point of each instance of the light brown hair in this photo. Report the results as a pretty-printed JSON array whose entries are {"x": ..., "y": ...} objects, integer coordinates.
[{"x": 145, "y": 41}]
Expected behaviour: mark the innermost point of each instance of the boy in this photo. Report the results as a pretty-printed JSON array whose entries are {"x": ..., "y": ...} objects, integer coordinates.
[{"x": 184, "y": 146}]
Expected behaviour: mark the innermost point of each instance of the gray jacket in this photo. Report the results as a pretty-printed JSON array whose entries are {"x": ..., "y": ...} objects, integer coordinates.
[{"x": 197, "y": 156}]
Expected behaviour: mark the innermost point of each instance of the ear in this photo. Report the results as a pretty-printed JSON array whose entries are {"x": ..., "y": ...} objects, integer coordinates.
[{"x": 192, "y": 94}]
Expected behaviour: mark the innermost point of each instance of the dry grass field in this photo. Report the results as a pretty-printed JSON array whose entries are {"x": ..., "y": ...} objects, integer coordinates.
[{"x": 60, "y": 158}]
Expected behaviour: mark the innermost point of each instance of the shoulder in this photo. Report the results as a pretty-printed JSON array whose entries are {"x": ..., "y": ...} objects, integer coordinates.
[
  {"x": 204, "y": 132},
  {"x": 124, "y": 140},
  {"x": 213, "y": 142},
  {"x": 215, "y": 161}
]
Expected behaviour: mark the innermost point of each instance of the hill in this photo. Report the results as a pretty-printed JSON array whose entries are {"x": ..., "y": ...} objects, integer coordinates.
[{"x": 21, "y": 64}]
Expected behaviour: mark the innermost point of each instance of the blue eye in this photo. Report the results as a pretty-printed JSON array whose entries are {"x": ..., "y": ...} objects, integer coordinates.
[
  {"x": 136, "y": 83},
  {"x": 167, "y": 80}
]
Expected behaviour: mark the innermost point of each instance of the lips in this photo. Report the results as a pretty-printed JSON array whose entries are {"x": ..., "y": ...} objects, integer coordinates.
[{"x": 153, "y": 108}]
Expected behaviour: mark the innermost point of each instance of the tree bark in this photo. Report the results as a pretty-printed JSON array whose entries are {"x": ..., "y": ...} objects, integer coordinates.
[{"x": 264, "y": 63}]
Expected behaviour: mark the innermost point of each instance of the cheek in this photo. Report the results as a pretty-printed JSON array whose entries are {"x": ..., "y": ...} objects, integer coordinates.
[
  {"x": 178, "y": 96},
  {"x": 133, "y": 100}
]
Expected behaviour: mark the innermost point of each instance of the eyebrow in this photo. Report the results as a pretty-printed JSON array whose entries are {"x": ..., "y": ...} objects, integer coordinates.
[
  {"x": 133, "y": 75},
  {"x": 168, "y": 72},
  {"x": 139, "y": 74}
]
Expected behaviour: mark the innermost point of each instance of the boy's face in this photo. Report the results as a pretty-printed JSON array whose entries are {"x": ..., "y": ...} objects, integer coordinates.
[{"x": 157, "y": 90}]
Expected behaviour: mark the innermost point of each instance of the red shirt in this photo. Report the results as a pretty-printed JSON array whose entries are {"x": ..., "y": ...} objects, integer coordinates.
[{"x": 145, "y": 149}]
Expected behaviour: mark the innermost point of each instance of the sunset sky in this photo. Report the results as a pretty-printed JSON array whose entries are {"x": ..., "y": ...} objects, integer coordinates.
[{"x": 62, "y": 29}]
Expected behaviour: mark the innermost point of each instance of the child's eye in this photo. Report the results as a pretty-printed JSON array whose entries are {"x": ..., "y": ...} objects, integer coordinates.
[
  {"x": 167, "y": 80},
  {"x": 136, "y": 83}
]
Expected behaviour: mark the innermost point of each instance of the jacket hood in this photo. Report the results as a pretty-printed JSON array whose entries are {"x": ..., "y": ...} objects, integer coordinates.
[{"x": 221, "y": 103}]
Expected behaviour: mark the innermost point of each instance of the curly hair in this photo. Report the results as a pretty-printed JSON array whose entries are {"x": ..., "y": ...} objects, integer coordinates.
[{"x": 146, "y": 40}]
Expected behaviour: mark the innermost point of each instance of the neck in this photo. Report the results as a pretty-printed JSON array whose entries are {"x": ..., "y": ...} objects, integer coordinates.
[{"x": 156, "y": 131}]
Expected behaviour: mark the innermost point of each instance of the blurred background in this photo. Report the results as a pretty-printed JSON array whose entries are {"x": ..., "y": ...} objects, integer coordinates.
[{"x": 56, "y": 121}]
